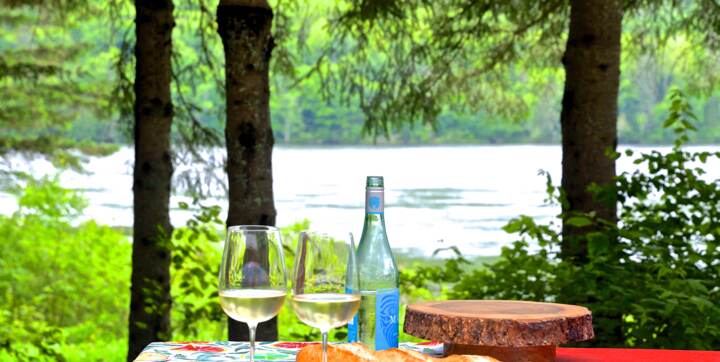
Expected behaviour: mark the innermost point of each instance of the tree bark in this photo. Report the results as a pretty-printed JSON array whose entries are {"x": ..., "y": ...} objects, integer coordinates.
[
  {"x": 589, "y": 115},
  {"x": 150, "y": 292},
  {"x": 245, "y": 29}
]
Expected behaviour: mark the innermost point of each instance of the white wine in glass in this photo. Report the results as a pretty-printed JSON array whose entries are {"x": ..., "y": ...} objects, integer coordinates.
[
  {"x": 325, "y": 292},
  {"x": 252, "y": 278},
  {"x": 326, "y": 311},
  {"x": 252, "y": 306}
]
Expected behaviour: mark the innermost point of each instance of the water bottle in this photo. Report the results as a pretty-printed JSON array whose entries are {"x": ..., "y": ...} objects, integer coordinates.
[{"x": 376, "y": 324}]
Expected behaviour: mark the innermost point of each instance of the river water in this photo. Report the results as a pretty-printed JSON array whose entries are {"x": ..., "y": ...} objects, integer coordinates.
[{"x": 435, "y": 196}]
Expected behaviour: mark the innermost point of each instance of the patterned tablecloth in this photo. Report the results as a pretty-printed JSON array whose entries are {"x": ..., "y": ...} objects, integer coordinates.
[
  {"x": 238, "y": 351},
  {"x": 286, "y": 351}
]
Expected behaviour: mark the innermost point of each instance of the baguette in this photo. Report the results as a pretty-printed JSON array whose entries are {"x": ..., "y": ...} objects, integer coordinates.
[
  {"x": 467, "y": 358},
  {"x": 356, "y": 352},
  {"x": 350, "y": 352},
  {"x": 400, "y": 355}
]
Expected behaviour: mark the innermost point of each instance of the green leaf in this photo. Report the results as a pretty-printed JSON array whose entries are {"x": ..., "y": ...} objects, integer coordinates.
[
  {"x": 513, "y": 226},
  {"x": 578, "y": 221},
  {"x": 702, "y": 303}
]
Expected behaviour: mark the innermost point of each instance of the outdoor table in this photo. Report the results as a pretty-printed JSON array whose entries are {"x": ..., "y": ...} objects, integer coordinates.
[{"x": 286, "y": 351}]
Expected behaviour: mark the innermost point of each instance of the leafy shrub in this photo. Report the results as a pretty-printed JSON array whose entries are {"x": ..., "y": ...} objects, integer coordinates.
[
  {"x": 652, "y": 279},
  {"x": 61, "y": 280},
  {"x": 29, "y": 340},
  {"x": 64, "y": 284},
  {"x": 196, "y": 312}
]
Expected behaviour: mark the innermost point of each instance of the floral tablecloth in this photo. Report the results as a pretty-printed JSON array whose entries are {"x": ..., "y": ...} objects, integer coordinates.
[
  {"x": 286, "y": 351},
  {"x": 238, "y": 351}
]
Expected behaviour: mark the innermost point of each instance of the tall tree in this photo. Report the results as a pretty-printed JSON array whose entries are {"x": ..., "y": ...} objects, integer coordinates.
[
  {"x": 588, "y": 121},
  {"x": 589, "y": 115},
  {"x": 150, "y": 300},
  {"x": 245, "y": 29}
]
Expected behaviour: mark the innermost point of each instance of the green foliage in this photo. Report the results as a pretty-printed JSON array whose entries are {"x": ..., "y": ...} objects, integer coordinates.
[
  {"x": 341, "y": 68},
  {"x": 64, "y": 283},
  {"x": 652, "y": 280},
  {"x": 31, "y": 340},
  {"x": 407, "y": 63},
  {"x": 53, "y": 75},
  {"x": 428, "y": 282},
  {"x": 62, "y": 280},
  {"x": 196, "y": 257},
  {"x": 46, "y": 199},
  {"x": 416, "y": 61}
]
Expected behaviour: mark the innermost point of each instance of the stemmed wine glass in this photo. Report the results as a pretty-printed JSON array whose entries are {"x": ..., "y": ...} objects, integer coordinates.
[
  {"x": 252, "y": 276},
  {"x": 325, "y": 291}
]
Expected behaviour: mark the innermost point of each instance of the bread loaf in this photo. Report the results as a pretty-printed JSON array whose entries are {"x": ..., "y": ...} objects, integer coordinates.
[
  {"x": 350, "y": 352},
  {"x": 356, "y": 352},
  {"x": 398, "y": 355}
]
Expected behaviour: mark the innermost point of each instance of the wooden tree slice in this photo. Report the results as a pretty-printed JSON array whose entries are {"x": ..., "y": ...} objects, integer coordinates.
[{"x": 500, "y": 328}]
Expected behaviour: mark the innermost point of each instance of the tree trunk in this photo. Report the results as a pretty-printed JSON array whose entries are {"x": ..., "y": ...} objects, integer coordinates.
[
  {"x": 150, "y": 292},
  {"x": 589, "y": 115},
  {"x": 245, "y": 29}
]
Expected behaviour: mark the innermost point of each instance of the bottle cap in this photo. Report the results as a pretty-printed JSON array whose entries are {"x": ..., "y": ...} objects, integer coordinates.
[{"x": 374, "y": 181}]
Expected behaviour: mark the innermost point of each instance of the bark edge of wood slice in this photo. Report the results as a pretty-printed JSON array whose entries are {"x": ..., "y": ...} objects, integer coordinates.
[{"x": 500, "y": 323}]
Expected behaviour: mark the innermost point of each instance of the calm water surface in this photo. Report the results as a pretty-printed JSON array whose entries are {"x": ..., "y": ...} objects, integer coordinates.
[{"x": 435, "y": 196}]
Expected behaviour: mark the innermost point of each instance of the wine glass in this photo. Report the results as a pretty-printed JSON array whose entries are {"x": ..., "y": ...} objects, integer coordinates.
[
  {"x": 252, "y": 276},
  {"x": 325, "y": 291}
]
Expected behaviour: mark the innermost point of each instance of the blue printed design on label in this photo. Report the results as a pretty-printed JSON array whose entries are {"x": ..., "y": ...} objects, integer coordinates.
[
  {"x": 353, "y": 324},
  {"x": 387, "y": 310},
  {"x": 374, "y": 202}
]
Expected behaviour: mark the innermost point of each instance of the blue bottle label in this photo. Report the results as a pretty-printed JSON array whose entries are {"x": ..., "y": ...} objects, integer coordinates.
[
  {"x": 387, "y": 313},
  {"x": 353, "y": 329},
  {"x": 374, "y": 201},
  {"x": 353, "y": 324}
]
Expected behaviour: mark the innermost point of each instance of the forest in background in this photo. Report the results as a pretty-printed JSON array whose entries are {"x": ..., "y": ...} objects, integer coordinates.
[
  {"x": 639, "y": 249},
  {"x": 86, "y": 78}
]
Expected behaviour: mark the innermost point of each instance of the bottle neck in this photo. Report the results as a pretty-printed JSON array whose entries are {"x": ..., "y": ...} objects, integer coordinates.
[
  {"x": 373, "y": 234},
  {"x": 376, "y": 261}
]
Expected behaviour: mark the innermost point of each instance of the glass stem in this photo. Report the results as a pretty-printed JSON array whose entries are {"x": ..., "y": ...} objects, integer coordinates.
[
  {"x": 252, "y": 328},
  {"x": 324, "y": 345}
]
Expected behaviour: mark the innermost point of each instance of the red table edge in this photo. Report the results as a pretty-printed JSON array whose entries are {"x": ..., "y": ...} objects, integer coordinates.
[{"x": 634, "y": 355}]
